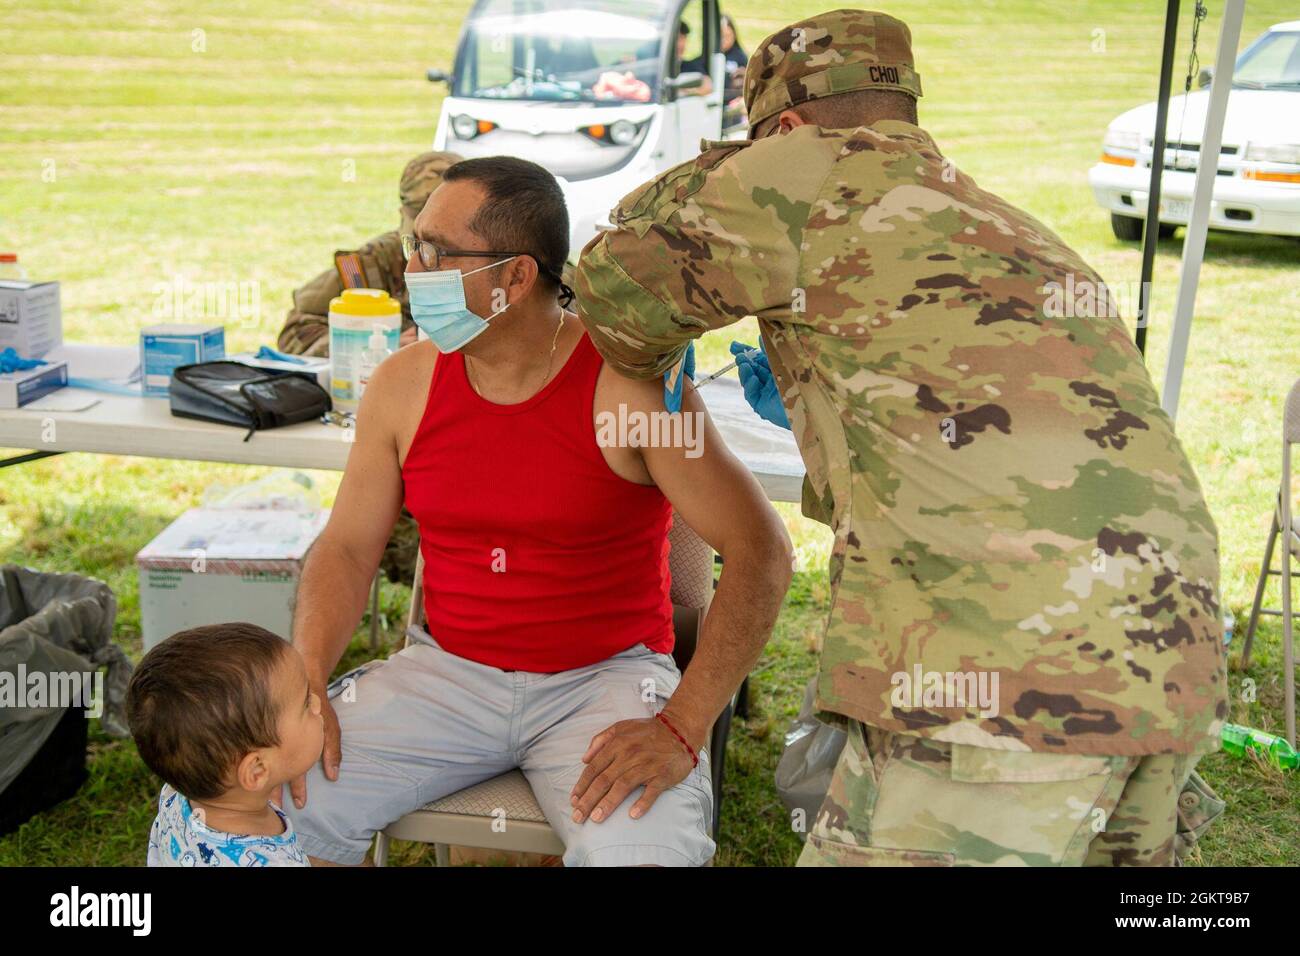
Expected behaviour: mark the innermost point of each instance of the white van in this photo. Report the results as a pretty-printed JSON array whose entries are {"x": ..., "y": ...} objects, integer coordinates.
[
  {"x": 1258, "y": 184},
  {"x": 606, "y": 94}
]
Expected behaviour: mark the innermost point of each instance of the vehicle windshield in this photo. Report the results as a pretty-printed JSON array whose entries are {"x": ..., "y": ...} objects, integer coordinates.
[
  {"x": 1272, "y": 63},
  {"x": 594, "y": 51}
]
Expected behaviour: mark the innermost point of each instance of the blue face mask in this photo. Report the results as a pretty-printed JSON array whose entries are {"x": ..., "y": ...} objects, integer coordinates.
[{"x": 438, "y": 307}]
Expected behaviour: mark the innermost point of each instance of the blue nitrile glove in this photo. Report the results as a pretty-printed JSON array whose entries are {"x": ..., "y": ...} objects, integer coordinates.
[
  {"x": 266, "y": 353},
  {"x": 11, "y": 361},
  {"x": 759, "y": 385},
  {"x": 686, "y": 368}
]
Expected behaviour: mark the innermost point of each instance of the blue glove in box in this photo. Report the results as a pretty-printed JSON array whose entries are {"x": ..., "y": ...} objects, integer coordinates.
[{"x": 21, "y": 386}]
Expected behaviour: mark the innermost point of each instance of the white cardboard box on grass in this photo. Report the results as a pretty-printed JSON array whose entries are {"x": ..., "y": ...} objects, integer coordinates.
[{"x": 210, "y": 566}]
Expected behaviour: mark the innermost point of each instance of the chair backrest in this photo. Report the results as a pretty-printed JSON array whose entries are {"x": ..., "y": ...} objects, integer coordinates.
[
  {"x": 690, "y": 563},
  {"x": 415, "y": 617},
  {"x": 1291, "y": 416},
  {"x": 1290, "y": 436}
]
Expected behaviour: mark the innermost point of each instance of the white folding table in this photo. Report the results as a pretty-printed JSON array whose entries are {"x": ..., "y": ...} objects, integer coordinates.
[{"x": 145, "y": 427}]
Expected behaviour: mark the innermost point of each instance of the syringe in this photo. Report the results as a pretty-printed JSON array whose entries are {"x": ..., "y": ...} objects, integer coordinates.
[{"x": 699, "y": 382}]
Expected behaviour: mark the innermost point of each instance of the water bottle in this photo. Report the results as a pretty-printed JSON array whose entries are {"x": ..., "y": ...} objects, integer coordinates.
[
  {"x": 1273, "y": 749},
  {"x": 9, "y": 267}
]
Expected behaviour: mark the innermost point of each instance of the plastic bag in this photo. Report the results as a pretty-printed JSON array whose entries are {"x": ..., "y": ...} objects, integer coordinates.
[
  {"x": 279, "y": 491},
  {"x": 812, "y": 748}
]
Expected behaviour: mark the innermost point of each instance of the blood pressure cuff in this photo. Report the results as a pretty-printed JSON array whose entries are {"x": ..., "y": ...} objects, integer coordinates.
[{"x": 236, "y": 394}]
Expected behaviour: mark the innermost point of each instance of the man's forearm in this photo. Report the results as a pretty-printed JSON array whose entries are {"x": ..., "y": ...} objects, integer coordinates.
[
  {"x": 736, "y": 628},
  {"x": 331, "y": 598}
]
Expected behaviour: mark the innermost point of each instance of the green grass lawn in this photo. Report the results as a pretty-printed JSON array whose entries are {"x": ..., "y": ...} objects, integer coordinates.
[{"x": 245, "y": 142}]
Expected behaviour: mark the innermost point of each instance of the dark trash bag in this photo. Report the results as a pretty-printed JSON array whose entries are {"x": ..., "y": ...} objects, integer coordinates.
[
  {"x": 55, "y": 626},
  {"x": 232, "y": 393}
]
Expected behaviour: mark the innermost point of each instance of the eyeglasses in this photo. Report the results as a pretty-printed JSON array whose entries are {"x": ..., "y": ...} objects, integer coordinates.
[{"x": 431, "y": 255}]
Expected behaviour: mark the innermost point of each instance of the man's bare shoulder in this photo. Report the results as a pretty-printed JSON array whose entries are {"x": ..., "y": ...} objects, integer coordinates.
[
  {"x": 637, "y": 406},
  {"x": 615, "y": 388},
  {"x": 399, "y": 370}
]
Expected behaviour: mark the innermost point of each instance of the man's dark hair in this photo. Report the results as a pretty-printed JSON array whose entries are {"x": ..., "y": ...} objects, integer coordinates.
[
  {"x": 524, "y": 212},
  {"x": 201, "y": 701}
]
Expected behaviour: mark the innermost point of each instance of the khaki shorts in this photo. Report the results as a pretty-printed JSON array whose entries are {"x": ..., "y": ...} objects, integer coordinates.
[
  {"x": 426, "y": 723},
  {"x": 900, "y": 800}
]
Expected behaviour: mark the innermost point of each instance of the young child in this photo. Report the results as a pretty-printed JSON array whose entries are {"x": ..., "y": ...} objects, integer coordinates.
[{"x": 223, "y": 714}]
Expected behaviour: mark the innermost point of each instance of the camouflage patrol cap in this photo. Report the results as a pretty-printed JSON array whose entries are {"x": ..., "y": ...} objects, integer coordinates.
[
  {"x": 421, "y": 176},
  {"x": 835, "y": 52}
]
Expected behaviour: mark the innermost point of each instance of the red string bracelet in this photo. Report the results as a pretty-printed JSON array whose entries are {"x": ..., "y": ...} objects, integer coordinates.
[{"x": 695, "y": 761}]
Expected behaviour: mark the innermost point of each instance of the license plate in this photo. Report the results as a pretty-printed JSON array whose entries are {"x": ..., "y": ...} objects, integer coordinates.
[{"x": 1176, "y": 208}]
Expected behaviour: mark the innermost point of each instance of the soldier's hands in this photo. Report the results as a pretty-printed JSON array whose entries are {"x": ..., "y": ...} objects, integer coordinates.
[
  {"x": 330, "y": 755},
  {"x": 759, "y": 384},
  {"x": 622, "y": 757}
]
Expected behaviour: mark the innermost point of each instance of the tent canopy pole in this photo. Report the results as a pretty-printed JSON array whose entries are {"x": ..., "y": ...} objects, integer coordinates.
[
  {"x": 1151, "y": 233},
  {"x": 1207, "y": 171}
]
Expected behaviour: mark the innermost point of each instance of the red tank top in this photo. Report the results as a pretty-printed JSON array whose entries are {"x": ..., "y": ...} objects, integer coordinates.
[{"x": 537, "y": 556}]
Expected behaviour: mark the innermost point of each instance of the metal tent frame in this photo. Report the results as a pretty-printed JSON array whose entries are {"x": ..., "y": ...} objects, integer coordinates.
[{"x": 1202, "y": 195}]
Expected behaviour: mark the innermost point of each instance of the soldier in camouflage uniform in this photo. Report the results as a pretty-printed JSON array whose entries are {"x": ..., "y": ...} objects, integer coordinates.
[
  {"x": 1011, "y": 508},
  {"x": 306, "y": 329}
]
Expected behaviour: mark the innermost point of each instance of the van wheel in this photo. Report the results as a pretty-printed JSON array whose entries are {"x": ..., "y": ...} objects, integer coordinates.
[{"x": 1126, "y": 228}]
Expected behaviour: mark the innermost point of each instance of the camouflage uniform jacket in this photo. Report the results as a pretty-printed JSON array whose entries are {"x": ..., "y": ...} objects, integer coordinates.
[
  {"x": 306, "y": 329},
  {"x": 1008, "y": 499}
]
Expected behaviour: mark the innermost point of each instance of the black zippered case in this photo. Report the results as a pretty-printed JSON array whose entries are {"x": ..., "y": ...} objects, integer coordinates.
[{"x": 233, "y": 393}]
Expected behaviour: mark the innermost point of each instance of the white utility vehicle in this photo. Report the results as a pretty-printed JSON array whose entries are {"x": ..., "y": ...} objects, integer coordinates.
[
  {"x": 1258, "y": 184},
  {"x": 606, "y": 94}
]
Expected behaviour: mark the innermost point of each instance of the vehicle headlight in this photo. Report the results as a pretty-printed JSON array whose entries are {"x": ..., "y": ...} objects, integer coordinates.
[
  {"x": 464, "y": 126},
  {"x": 1120, "y": 139},
  {"x": 1273, "y": 153},
  {"x": 622, "y": 132}
]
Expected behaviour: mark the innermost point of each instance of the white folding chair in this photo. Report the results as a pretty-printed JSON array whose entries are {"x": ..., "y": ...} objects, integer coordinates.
[
  {"x": 1285, "y": 525},
  {"x": 471, "y": 816}
]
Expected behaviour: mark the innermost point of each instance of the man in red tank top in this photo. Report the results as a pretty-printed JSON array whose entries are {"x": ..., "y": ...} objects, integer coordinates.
[{"x": 544, "y": 486}]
